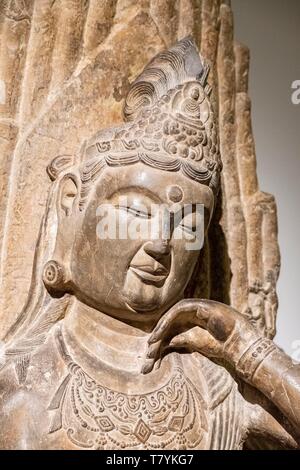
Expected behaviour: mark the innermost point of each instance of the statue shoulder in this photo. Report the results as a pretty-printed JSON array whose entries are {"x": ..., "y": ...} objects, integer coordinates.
[
  {"x": 251, "y": 425},
  {"x": 217, "y": 381},
  {"x": 26, "y": 388}
]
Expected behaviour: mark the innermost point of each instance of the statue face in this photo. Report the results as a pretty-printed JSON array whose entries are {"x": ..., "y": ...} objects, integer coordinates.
[{"x": 140, "y": 272}]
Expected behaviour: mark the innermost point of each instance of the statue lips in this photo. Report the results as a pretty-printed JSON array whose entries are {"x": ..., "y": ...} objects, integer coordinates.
[{"x": 150, "y": 274}]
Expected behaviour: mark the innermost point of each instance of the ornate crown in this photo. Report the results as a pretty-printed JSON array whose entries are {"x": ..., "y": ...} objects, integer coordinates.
[{"x": 169, "y": 125}]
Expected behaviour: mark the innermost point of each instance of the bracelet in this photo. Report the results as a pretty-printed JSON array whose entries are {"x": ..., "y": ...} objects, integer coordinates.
[{"x": 254, "y": 356}]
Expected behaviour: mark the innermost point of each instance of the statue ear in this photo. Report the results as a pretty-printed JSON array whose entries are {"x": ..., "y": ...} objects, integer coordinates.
[{"x": 68, "y": 194}]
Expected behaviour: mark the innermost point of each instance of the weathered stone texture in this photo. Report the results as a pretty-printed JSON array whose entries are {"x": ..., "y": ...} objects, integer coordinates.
[{"x": 65, "y": 68}]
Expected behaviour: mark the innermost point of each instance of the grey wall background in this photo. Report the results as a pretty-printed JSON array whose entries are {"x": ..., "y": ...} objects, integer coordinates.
[{"x": 271, "y": 29}]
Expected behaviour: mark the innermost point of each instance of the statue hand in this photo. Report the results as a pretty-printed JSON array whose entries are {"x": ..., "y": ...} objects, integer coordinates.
[{"x": 214, "y": 329}]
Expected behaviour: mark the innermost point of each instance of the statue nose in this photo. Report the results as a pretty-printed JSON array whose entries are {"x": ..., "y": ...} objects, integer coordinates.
[{"x": 157, "y": 248}]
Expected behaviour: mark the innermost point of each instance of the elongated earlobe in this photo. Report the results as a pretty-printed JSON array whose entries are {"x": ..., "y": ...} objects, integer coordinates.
[
  {"x": 56, "y": 273},
  {"x": 55, "y": 277}
]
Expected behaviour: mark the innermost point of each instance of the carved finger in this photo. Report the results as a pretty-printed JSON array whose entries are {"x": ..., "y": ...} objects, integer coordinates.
[
  {"x": 153, "y": 350},
  {"x": 162, "y": 327},
  {"x": 199, "y": 340},
  {"x": 152, "y": 355},
  {"x": 148, "y": 366},
  {"x": 186, "y": 309}
]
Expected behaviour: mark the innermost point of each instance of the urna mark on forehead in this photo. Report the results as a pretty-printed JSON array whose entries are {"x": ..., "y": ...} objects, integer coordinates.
[{"x": 175, "y": 193}]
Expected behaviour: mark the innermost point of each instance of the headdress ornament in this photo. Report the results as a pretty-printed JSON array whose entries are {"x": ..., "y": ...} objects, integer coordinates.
[{"x": 170, "y": 123}]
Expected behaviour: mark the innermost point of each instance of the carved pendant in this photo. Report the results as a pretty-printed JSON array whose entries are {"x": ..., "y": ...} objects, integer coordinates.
[{"x": 96, "y": 417}]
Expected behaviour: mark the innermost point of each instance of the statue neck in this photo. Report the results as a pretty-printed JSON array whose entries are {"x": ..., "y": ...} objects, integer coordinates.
[{"x": 103, "y": 338}]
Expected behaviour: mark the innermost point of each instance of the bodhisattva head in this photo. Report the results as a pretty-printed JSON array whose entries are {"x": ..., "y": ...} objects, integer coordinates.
[{"x": 131, "y": 216}]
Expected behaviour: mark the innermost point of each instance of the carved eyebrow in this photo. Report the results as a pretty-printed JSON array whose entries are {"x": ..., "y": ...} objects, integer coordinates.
[{"x": 141, "y": 191}]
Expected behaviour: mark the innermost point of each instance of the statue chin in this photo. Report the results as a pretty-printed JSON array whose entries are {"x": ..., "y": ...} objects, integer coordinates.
[
  {"x": 143, "y": 298},
  {"x": 142, "y": 307},
  {"x": 139, "y": 303}
]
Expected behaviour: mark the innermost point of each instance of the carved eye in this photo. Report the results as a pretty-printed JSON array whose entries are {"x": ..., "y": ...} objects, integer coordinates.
[
  {"x": 188, "y": 229},
  {"x": 191, "y": 224},
  {"x": 142, "y": 214}
]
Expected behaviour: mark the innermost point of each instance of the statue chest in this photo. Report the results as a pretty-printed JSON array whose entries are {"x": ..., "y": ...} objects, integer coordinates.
[
  {"x": 188, "y": 403},
  {"x": 171, "y": 416}
]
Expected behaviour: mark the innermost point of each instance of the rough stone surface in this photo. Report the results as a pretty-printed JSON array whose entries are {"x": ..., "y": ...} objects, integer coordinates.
[
  {"x": 90, "y": 322},
  {"x": 63, "y": 83}
]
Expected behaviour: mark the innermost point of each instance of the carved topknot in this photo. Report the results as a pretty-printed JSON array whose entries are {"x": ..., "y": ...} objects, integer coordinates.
[{"x": 178, "y": 65}]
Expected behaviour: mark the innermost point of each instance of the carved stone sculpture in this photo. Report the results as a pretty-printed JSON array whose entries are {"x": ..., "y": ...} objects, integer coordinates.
[{"x": 120, "y": 345}]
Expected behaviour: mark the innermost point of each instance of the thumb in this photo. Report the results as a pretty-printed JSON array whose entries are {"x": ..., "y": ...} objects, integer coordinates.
[
  {"x": 197, "y": 339},
  {"x": 181, "y": 341}
]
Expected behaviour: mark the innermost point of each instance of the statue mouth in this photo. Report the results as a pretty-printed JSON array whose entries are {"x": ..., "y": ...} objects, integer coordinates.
[{"x": 151, "y": 275}]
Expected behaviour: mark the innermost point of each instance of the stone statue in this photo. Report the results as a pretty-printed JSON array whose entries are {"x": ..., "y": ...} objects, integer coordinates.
[{"x": 111, "y": 350}]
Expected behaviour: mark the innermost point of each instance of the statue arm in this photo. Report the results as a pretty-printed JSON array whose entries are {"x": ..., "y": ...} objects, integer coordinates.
[
  {"x": 279, "y": 380},
  {"x": 218, "y": 331}
]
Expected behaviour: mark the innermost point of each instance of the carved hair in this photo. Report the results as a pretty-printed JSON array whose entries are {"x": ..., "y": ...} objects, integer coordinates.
[
  {"x": 178, "y": 65},
  {"x": 170, "y": 123}
]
